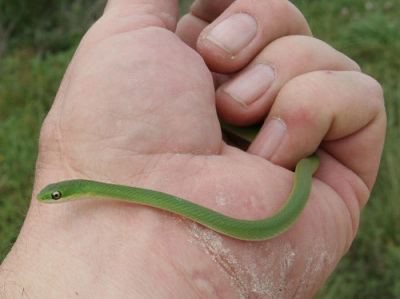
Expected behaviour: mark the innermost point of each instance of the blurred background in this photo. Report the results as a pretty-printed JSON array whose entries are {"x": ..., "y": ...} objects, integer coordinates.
[{"x": 38, "y": 39}]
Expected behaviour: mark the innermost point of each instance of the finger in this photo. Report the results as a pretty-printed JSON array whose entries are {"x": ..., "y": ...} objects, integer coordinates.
[
  {"x": 136, "y": 14},
  {"x": 244, "y": 28},
  {"x": 209, "y": 10},
  {"x": 247, "y": 97},
  {"x": 189, "y": 28},
  {"x": 202, "y": 13},
  {"x": 343, "y": 110}
]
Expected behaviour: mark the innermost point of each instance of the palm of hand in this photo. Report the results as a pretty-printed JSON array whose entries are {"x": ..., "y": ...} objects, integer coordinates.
[{"x": 138, "y": 109}]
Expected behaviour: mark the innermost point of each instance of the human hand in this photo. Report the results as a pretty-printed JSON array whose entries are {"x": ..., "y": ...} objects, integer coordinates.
[{"x": 136, "y": 107}]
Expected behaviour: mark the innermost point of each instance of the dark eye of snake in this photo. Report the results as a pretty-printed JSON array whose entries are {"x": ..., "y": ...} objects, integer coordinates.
[{"x": 56, "y": 195}]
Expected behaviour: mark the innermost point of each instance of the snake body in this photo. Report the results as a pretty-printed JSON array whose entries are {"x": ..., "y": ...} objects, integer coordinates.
[{"x": 250, "y": 230}]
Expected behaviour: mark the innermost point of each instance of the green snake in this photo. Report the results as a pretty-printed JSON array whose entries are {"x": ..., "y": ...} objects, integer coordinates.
[{"x": 249, "y": 230}]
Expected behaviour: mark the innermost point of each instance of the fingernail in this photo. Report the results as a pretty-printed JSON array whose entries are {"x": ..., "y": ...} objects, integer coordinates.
[
  {"x": 269, "y": 138},
  {"x": 234, "y": 33},
  {"x": 247, "y": 87}
]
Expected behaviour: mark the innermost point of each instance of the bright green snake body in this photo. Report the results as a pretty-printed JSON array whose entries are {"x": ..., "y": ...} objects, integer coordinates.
[
  {"x": 250, "y": 230},
  {"x": 240, "y": 229}
]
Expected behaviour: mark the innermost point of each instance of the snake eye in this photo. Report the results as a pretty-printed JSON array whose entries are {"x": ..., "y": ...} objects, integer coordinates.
[{"x": 56, "y": 195}]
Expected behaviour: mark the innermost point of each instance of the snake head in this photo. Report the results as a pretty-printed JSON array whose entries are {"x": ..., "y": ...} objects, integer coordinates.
[{"x": 60, "y": 192}]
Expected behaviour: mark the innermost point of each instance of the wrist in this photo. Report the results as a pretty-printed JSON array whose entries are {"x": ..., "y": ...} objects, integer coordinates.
[{"x": 95, "y": 248}]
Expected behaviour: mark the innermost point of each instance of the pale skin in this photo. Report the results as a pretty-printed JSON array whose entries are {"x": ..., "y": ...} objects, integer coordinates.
[{"x": 137, "y": 107}]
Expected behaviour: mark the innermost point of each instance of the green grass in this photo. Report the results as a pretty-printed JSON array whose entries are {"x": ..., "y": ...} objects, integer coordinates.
[
  {"x": 30, "y": 75},
  {"x": 371, "y": 269},
  {"x": 28, "y": 85}
]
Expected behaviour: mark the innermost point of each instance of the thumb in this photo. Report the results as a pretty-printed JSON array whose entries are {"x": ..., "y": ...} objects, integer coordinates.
[{"x": 137, "y": 14}]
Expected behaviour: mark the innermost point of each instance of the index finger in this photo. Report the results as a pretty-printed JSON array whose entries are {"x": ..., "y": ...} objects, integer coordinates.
[{"x": 242, "y": 30}]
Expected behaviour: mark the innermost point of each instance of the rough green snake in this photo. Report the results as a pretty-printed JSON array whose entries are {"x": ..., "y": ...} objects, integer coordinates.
[{"x": 256, "y": 230}]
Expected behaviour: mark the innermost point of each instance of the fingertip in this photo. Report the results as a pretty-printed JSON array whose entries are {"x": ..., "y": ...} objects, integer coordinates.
[
  {"x": 248, "y": 86},
  {"x": 269, "y": 138},
  {"x": 220, "y": 44},
  {"x": 232, "y": 34},
  {"x": 189, "y": 28},
  {"x": 246, "y": 98},
  {"x": 233, "y": 39}
]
